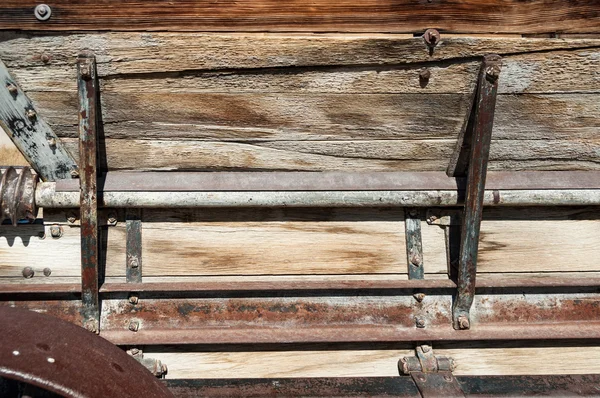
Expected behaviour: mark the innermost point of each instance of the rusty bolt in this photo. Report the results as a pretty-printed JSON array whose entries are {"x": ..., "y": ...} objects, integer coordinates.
[
  {"x": 28, "y": 272},
  {"x": 86, "y": 71},
  {"x": 42, "y": 12},
  {"x": 431, "y": 37},
  {"x": 56, "y": 231},
  {"x": 448, "y": 378},
  {"x": 134, "y": 326},
  {"x": 12, "y": 89},
  {"x": 403, "y": 366},
  {"x": 134, "y": 299},
  {"x": 164, "y": 369},
  {"x": 425, "y": 74},
  {"x": 31, "y": 114},
  {"x": 134, "y": 262},
  {"x": 71, "y": 217},
  {"x": 463, "y": 322},
  {"x": 426, "y": 348},
  {"x": 420, "y": 322},
  {"x": 47, "y": 271},
  {"x": 52, "y": 142},
  {"x": 112, "y": 219},
  {"x": 45, "y": 58},
  {"x": 74, "y": 174},
  {"x": 431, "y": 220},
  {"x": 415, "y": 260},
  {"x": 492, "y": 72},
  {"x": 91, "y": 325},
  {"x": 419, "y": 297},
  {"x": 134, "y": 351}
]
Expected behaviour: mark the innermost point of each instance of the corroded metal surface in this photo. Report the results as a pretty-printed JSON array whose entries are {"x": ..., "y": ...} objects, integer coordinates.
[
  {"x": 65, "y": 359},
  {"x": 414, "y": 245},
  {"x": 133, "y": 256},
  {"x": 88, "y": 132},
  {"x": 17, "y": 194},
  {"x": 478, "y": 147}
]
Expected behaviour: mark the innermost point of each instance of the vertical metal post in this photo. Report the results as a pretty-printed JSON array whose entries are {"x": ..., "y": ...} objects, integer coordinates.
[
  {"x": 88, "y": 132},
  {"x": 134, "y": 247},
  {"x": 414, "y": 246},
  {"x": 480, "y": 135}
]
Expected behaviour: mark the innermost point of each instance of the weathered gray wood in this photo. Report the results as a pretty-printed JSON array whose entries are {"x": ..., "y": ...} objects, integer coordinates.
[{"x": 30, "y": 133}]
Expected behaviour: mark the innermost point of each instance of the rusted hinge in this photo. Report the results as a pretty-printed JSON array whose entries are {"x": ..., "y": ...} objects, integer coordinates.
[
  {"x": 155, "y": 366},
  {"x": 431, "y": 374}
]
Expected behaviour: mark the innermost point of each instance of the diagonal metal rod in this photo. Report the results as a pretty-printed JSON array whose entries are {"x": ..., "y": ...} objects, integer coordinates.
[
  {"x": 479, "y": 136},
  {"x": 88, "y": 132}
]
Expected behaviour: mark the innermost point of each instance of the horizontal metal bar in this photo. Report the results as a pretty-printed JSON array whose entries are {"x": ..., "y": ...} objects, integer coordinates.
[
  {"x": 47, "y": 196},
  {"x": 489, "y": 386},
  {"x": 332, "y": 181}
]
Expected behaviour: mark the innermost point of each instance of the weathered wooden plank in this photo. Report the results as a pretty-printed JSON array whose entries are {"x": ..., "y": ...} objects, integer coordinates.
[
  {"x": 9, "y": 154},
  {"x": 383, "y": 155},
  {"x": 500, "y": 359},
  {"x": 30, "y": 133},
  {"x": 492, "y": 16},
  {"x": 164, "y": 53}
]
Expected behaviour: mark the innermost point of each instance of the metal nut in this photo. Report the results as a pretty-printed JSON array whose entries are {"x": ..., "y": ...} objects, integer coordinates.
[
  {"x": 420, "y": 322},
  {"x": 74, "y": 174},
  {"x": 12, "y": 89},
  {"x": 85, "y": 71},
  {"x": 42, "y": 12},
  {"x": 28, "y": 272},
  {"x": 403, "y": 366},
  {"x": 134, "y": 351},
  {"x": 134, "y": 326},
  {"x": 71, "y": 217},
  {"x": 47, "y": 271},
  {"x": 493, "y": 72},
  {"x": 463, "y": 322},
  {"x": 425, "y": 74},
  {"x": 112, "y": 219},
  {"x": 431, "y": 37},
  {"x": 426, "y": 348},
  {"x": 134, "y": 262},
  {"x": 31, "y": 114},
  {"x": 419, "y": 297},
  {"x": 56, "y": 231},
  {"x": 52, "y": 142},
  {"x": 92, "y": 326},
  {"x": 134, "y": 299},
  {"x": 416, "y": 260}
]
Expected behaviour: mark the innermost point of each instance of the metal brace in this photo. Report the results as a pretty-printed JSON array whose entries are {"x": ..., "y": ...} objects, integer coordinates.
[
  {"x": 155, "y": 366},
  {"x": 431, "y": 374}
]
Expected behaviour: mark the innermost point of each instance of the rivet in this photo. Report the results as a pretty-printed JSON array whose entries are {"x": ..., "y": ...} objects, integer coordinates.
[
  {"x": 420, "y": 322},
  {"x": 31, "y": 114},
  {"x": 45, "y": 58},
  {"x": 425, "y": 74},
  {"x": 12, "y": 89},
  {"x": 42, "y": 12},
  {"x": 134, "y": 326},
  {"x": 419, "y": 297},
  {"x": 28, "y": 272},
  {"x": 431, "y": 37},
  {"x": 463, "y": 322},
  {"x": 47, "y": 271},
  {"x": 56, "y": 231}
]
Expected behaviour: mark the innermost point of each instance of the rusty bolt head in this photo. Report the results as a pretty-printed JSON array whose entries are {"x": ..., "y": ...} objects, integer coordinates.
[
  {"x": 112, "y": 219},
  {"x": 12, "y": 89},
  {"x": 134, "y": 326},
  {"x": 134, "y": 262},
  {"x": 164, "y": 369},
  {"x": 47, "y": 271},
  {"x": 431, "y": 37},
  {"x": 45, "y": 58},
  {"x": 431, "y": 220},
  {"x": 134, "y": 299},
  {"x": 28, "y": 272},
  {"x": 416, "y": 260},
  {"x": 42, "y": 12},
  {"x": 74, "y": 174},
  {"x": 52, "y": 142},
  {"x": 420, "y": 322},
  {"x": 419, "y": 297},
  {"x": 31, "y": 114},
  {"x": 426, "y": 348},
  {"x": 92, "y": 326},
  {"x": 425, "y": 74},
  {"x": 71, "y": 217},
  {"x": 403, "y": 366},
  {"x": 85, "y": 70},
  {"x": 463, "y": 322},
  {"x": 56, "y": 231},
  {"x": 134, "y": 351}
]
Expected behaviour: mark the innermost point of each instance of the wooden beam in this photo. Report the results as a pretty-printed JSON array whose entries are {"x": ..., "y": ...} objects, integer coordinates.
[
  {"x": 467, "y": 16},
  {"x": 30, "y": 133}
]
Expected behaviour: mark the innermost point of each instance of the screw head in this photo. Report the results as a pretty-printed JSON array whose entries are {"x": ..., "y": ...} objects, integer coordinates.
[
  {"x": 47, "y": 271},
  {"x": 134, "y": 326},
  {"x": 419, "y": 297},
  {"x": 42, "y": 12},
  {"x": 463, "y": 322},
  {"x": 56, "y": 231},
  {"x": 431, "y": 37},
  {"x": 28, "y": 272}
]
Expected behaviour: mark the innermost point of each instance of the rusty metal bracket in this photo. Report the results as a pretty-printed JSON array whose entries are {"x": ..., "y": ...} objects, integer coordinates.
[
  {"x": 414, "y": 246},
  {"x": 88, "y": 154},
  {"x": 432, "y": 374},
  {"x": 471, "y": 156},
  {"x": 155, "y": 366},
  {"x": 30, "y": 132},
  {"x": 134, "y": 246}
]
